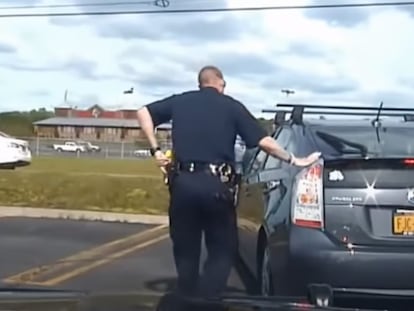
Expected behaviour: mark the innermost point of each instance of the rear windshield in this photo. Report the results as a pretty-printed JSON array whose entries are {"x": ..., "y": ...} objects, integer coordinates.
[{"x": 337, "y": 140}]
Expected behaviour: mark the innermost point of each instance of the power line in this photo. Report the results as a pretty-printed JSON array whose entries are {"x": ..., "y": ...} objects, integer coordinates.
[
  {"x": 212, "y": 10},
  {"x": 160, "y": 3}
]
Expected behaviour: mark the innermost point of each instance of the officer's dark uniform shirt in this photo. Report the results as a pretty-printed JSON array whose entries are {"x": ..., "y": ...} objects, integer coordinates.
[{"x": 205, "y": 125}]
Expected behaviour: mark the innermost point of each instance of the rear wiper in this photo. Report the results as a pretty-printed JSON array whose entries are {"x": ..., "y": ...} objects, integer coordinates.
[
  {"x": 377, "y": 123},
  {"x": 338, "y": 142}
]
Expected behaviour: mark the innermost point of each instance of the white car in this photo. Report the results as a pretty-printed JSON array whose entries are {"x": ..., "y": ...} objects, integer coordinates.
[
  {"x": 142, "y": 153},
  {"x": 69, "y": 146},
  {"x": 14, "y": 152}
]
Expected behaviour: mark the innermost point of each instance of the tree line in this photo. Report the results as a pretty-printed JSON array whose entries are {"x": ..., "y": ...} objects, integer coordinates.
[{"x": 20, "y": 123}]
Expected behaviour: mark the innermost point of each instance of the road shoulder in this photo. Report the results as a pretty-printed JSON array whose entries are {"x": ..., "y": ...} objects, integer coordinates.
[{"x": 34, "y": 212}]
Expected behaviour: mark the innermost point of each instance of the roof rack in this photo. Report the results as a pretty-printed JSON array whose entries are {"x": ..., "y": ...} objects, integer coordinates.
[{"x": 298, "y": 111}]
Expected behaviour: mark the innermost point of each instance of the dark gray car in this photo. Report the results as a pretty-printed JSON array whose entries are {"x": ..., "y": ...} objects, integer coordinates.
[{"x": 346, "y": 223}]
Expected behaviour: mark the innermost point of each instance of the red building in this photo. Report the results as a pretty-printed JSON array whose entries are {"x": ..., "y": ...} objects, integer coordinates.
[
  {"x": 95, "y": 123},
  {"x": 95, "y": 111}
]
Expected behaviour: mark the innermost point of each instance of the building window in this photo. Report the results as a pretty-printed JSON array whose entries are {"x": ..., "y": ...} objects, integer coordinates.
[
  {"x": 78, "y": 131},
  {"x": 111, "y": 131},
  {"x": 133, "y": 132},
  {"x": 89, "y": 130},
  {"x": 98, "y": 133},
  {"x": 68, "y": 129}
]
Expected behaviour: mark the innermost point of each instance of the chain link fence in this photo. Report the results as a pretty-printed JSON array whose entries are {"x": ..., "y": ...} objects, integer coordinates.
[{"x": 93, "y": 149}]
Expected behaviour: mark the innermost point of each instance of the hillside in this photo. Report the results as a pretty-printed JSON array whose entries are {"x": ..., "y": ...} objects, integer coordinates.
[{"x": 19, "y": 123}]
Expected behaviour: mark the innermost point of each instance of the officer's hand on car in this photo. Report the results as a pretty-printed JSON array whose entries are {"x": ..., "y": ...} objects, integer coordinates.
[{"x": 310, "y": 159}]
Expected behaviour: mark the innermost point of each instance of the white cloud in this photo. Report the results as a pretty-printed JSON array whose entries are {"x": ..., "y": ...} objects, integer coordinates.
[{"x": 357, "y": 56}]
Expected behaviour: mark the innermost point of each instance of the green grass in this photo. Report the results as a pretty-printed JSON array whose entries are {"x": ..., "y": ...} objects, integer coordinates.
[
  {"x": 130, "y": 186},
  {"x": 93, "y": 166}
]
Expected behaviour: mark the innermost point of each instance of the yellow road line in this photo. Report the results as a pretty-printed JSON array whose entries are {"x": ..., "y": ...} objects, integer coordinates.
[
  {"x": 42, "y": 275},
  {"x": 93, "y": 265}
]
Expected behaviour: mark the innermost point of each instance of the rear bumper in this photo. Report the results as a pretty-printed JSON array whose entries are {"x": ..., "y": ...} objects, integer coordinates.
[
  {"x": 15, "y": 158},
  {"x": 366, "y": 298},
  {"x": 10, "y": 165},
  {"x": 311, "y": 257}
]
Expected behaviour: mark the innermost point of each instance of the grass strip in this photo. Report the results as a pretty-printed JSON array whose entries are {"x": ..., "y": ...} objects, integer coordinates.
[
  {"x": 93, "y": 166},
  {"x": 100, "y": 185}
]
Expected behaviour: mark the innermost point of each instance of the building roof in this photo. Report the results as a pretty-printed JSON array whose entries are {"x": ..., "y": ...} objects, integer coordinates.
[{"x": 95, "y": 122}]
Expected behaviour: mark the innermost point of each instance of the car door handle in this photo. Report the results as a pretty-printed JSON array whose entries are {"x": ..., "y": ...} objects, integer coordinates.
[{"x": 271, "y": 185}]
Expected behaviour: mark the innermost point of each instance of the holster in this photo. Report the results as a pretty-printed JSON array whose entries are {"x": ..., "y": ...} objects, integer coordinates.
[
  {"x": 169, "y": 177},
  {"x": 227, "y": 175}
]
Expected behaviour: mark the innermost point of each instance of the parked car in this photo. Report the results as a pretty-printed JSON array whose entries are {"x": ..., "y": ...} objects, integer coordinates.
[
  {"x": 344, "y": 224},
  {"x": 89, "y": 147},
  {"x": 13, "y": 152},
  {"x": 69, "y": 146},
  {"x": 142, "y": 153}
]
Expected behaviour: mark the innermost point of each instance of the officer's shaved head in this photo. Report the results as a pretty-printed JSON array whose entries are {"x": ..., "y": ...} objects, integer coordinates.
[{"x": 211, "y": 76}]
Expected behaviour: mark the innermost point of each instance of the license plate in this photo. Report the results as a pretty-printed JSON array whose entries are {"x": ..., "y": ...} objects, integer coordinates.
[{"x": 403, "y": 224}]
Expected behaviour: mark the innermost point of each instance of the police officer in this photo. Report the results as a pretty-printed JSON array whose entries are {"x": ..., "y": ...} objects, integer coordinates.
[{"x": 205, "y": 124}]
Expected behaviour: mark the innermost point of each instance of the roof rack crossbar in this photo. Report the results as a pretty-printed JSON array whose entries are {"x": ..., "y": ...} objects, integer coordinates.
[
  {"x": 348, "y": 113},
  {"x": 299, "y": 110},
  {"x": 344, "y": 107}
]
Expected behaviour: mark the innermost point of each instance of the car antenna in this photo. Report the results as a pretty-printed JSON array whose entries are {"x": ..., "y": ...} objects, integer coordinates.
[{"x": 377, "y": 123}]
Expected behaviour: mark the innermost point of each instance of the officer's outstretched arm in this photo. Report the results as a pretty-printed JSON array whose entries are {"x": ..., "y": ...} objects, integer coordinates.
[
  {"x": 269, "y": 145},
  {"x": 147, "y": 126}
]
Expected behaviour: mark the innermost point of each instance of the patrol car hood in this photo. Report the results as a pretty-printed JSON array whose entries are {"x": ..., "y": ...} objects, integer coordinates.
[{"x": 13, "y": 299}]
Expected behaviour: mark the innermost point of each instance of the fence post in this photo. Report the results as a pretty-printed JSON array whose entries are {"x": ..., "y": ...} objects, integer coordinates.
[
  {"x": 37, "y": 145},
  {"x": 122, "y": 149}
]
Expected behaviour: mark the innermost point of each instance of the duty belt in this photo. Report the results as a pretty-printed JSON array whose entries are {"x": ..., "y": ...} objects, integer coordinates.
[{"x": 224, "y": 171}]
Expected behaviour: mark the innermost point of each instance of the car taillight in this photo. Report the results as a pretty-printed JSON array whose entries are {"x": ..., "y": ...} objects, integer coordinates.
[
  {"x": 409, "y": 162},
  {"x": 307, "y": 200}
]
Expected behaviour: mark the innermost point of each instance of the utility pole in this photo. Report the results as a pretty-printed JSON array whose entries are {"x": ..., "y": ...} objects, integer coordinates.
[
  {"x": 65, "y": 97},
  {"x": 288, "y": 92},
  {"x": 130, "y": 91}
]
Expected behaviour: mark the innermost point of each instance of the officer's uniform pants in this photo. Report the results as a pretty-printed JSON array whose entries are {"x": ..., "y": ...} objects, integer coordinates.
[{"x": 201, "y": 203}]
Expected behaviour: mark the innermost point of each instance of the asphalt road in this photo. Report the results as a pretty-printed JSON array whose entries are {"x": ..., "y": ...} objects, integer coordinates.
[{"x": 87, "y": 255}]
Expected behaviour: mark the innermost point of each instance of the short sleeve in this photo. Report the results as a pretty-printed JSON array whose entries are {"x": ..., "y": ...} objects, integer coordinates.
[
  {"x": 161, "y": 110},
  {"x": 247, "y": 126}
]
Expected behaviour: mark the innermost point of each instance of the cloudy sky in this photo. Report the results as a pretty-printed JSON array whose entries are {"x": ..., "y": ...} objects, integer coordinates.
[{"x": 328, "y": 56}]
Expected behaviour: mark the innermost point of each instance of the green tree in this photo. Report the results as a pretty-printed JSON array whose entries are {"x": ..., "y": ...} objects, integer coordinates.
[{"x": 20, "y": 123}]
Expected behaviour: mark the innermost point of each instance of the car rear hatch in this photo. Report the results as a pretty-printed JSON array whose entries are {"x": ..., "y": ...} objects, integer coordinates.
[
  {"x": 368, "y": 186},
  {"x": 370, "y": 202}
]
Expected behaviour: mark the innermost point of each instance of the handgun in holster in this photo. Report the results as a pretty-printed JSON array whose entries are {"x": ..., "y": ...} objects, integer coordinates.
[
  {"x": 228, "y": 177},
  {"x": 169, "y": 167}
]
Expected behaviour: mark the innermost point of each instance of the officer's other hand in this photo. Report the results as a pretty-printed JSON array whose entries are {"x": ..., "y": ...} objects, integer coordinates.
[
  {"x": 162, "y": 159},
  {"x": 309, "y": 160}
]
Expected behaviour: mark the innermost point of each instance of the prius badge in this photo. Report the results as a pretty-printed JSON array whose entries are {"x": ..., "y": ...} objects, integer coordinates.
[{"x": 410, "y": 196}]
